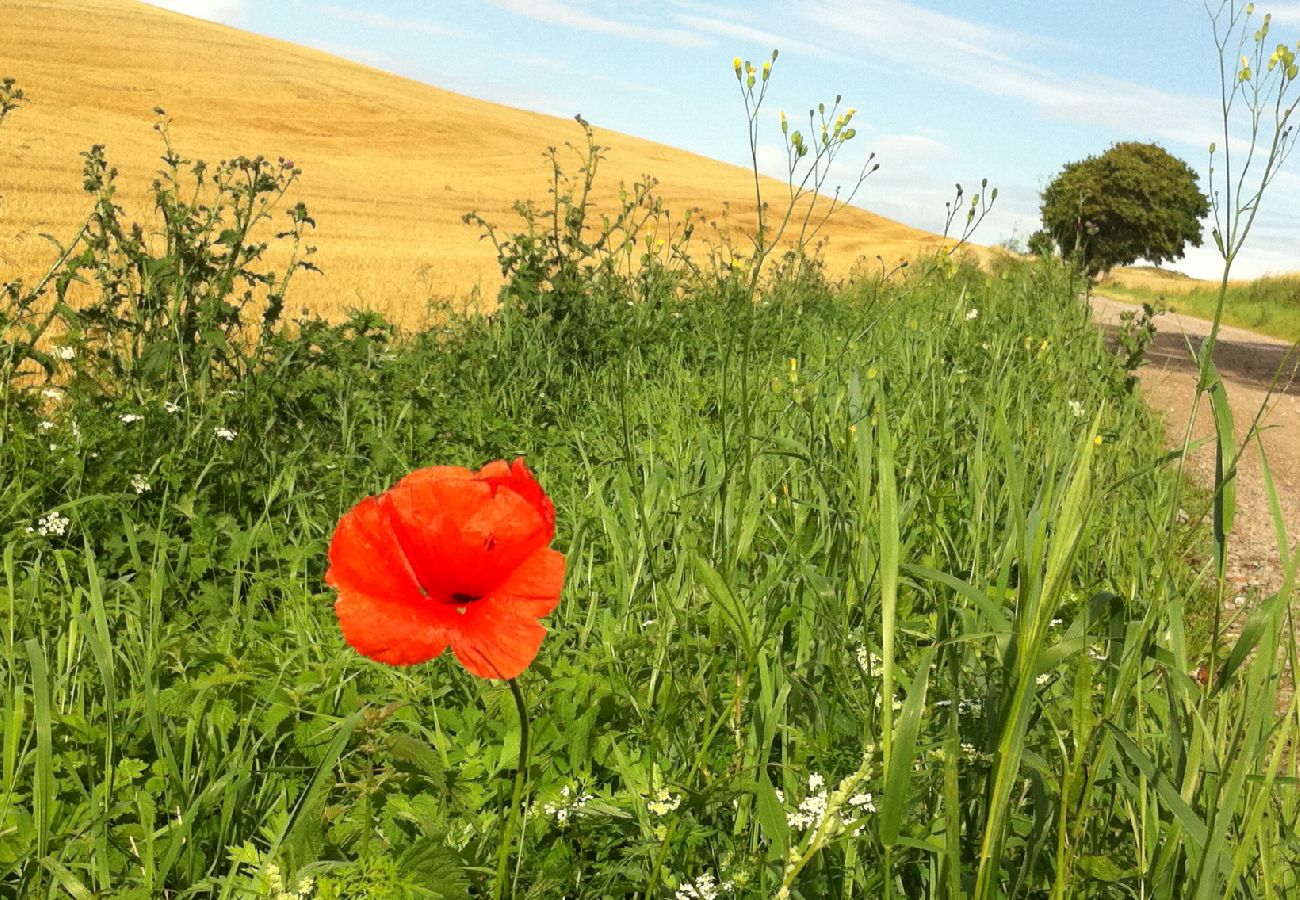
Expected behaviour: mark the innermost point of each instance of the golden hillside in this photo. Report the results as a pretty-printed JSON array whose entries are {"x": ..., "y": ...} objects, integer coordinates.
[{"x": 390, "y": 164}]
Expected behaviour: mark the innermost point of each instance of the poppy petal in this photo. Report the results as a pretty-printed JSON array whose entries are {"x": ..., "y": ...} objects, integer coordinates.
[
  {"x": 461, "y": 536},
  {"x": 365, "y": 556},
  {"x": 493, "y": 642},
  {"x": 533, "y": 588},
  {"x": 519, "y": 479},
  {"x": 394, "y": 633}
]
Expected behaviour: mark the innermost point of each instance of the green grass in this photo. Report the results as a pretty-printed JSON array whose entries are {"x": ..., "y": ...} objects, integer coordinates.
[
  {"x": 873, "y": 590},
  {"x": 1269, "y": 305}
]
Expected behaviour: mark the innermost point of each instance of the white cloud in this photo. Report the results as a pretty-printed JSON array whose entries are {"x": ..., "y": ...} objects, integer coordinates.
[
  {"x": 215, "y": 10},
  {"x": 1288, "y": 14},
  {"x": 764, "y": 39},
  {"x": 989, "y": 60},
  {"x": 560, "y": 13},
  {"x": 385, "y": 22}
]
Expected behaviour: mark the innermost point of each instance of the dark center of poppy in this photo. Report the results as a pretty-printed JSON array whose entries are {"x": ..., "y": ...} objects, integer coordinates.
[{"x": 466, "y": 598}]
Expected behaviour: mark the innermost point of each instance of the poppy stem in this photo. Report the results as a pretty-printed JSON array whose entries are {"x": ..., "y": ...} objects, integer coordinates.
[{"x": 521, "y": 775}]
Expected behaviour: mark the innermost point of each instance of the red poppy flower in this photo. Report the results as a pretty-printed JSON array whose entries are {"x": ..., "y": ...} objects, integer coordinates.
[{"x": 449, "y": 557}]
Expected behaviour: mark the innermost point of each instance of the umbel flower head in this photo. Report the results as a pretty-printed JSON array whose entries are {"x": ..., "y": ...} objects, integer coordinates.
[{"x": 449, "y": 558}]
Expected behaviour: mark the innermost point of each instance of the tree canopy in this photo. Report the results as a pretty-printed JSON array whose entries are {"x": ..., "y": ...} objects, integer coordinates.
[{"x": 1135, "y": 201}]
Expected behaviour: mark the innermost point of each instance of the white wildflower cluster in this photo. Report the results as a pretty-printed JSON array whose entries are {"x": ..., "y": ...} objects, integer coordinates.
[
  {"x": 868, "y": 660},
  {"x": 280, "y": 891},
  {"x": 171, "y": 406},
  {"x": 54, "y": 523},
  {"x": 1076, "y": 409},
  {"x": 65, "y": 353},
  {"x": 225, "y": 434},
  {"x": 706, "y": 887},
  {"x": 1056, "y": 623},
  {"x": 898, "y": 704},
  {"x": 972, "y": 314},
  {"x": 970, "y": 751},
  {"x": 130, "y": 418},
  {"x": 1043, "y": 679},
  {"x": 54, "y": 395},
  {"x": 46, "y": 425},
  {"x": 664, "y": 802},
  {"x": 859, "y": 805},
  {"x": 140, "y": 484},
  {"x": 964, "y": 707},
  {"x": 812, "y": 808},
  {"x": 570, "y": 803}
]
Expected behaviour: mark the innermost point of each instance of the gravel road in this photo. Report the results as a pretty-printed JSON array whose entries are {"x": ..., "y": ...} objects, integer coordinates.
[{"x": 1260, "y": 373}]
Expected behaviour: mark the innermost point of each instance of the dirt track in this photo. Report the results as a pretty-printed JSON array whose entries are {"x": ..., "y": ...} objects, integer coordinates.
[{"x": 1260, "y": 372}]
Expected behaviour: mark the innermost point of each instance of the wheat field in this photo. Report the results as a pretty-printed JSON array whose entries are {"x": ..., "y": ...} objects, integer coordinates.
[{"x": 390, "y": 165}]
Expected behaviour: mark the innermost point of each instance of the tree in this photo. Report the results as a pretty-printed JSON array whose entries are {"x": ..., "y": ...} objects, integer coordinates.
[{"x": 1135, "y": 201}]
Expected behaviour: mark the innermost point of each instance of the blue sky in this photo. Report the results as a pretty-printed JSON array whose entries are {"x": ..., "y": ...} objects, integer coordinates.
[{"x": 946, "y": 92}]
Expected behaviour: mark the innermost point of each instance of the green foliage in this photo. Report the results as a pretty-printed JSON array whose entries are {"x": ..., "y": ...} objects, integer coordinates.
[
  {"x": 1269, "y": 305},
  {"x": 11, "y": 96},
  {"x": 1135, "y": 201},
  {"x": 1041, "y": 243}
]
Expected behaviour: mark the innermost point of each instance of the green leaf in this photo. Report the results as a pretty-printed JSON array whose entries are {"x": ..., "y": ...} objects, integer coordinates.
[{"x": 899, "y": 775}]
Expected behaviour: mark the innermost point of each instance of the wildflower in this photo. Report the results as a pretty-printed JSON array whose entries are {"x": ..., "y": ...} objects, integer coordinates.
[
  {"x": 1076, "y": 408},
  {"x": 225, "y": 434},
  {"x": 1043, "y": 679},
  {"x": 809, "y": 813},
  {"x": 897, "y": 704},
  {"x": 54, "y": 523},
  {"x": 794, "y": 370},
  {"x": 65, "y": 353},
  {"x": 1097, "y": 440},
  {"x": 140, "y": 484},
  {"x": 706, "y": 887},
  {"x": 815, "y": 781},
  {"x": 449, "y": 557},
  {"x": 966, "y": 707},
  {"x": 664, "y": 802},
  {"x": 969, "y": 751},
  {"x": 52, "y": 394},
  {"x": 569, "y": 803},
  {"x": 871, "y": 373},
  {"x": 130, "y": 418},
  {"x": 868, "y": 660},
  {"x": 171, "y": 406},
  {"x": 1056, "y": 623},
  {"x": 972, "y": 314},
  {"x": 45, "y": 426},
  {"x": 863, "y": 802},
  {"x": 859, "y": 805}
]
